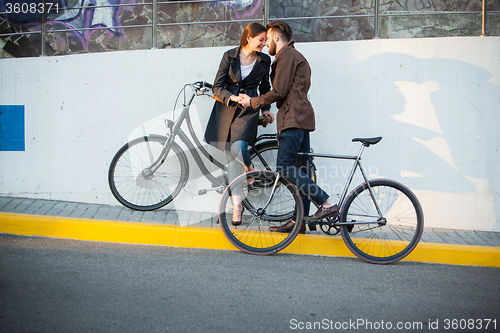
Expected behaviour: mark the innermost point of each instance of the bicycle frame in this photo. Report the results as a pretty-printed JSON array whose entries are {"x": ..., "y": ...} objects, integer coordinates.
[
  {"x": 357, "y": 164},
  {"x": 260, "y": 138},
  {"x": 175, "y": 130}
]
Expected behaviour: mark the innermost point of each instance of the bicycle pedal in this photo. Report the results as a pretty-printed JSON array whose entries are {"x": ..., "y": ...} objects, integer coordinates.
[{"x": 205, "y": 190}]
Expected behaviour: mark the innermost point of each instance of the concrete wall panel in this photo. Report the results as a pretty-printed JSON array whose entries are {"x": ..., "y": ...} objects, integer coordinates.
[{"x": 434, "y": 101}]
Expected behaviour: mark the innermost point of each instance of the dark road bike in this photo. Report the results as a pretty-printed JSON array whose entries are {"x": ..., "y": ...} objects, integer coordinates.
[{"x": 381, "y": 221}]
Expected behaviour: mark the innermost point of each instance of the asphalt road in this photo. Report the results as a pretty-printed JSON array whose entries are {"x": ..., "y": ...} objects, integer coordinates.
[{"x": 53, "y": 285}]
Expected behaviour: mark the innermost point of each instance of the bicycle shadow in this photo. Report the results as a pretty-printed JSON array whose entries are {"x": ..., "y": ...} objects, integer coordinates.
[
  {"x": 188, "y": 199},
  {"x": 436, "y": 120}
]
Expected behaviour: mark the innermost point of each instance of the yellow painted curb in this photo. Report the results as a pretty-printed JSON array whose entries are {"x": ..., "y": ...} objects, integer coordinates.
[
  {"x": 115, "y": 232},
  {"x": 213, "y": 238},
  {"x": 456, "y": 254}
]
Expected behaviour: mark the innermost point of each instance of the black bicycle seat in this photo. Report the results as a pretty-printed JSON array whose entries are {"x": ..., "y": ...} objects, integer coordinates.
[{"x": 368, "y": 141}]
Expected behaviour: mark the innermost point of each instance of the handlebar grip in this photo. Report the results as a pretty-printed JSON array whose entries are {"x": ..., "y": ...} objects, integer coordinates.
[{"x": 208, "y": 85}]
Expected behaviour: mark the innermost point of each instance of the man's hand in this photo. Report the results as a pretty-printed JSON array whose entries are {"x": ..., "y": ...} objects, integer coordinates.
[
  {"x": 245, "y": 101},
  {"x": 269, "y": 114}
]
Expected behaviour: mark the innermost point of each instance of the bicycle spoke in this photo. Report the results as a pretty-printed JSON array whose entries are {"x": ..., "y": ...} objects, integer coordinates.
[
  {"x": 386, "y": 238},
  {"x": 136, "y": 187},
  {"x": 267, "y": 205}
]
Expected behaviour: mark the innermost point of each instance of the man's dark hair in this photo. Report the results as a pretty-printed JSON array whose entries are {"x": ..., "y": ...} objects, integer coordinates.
[{"x": 281, "y": 28}]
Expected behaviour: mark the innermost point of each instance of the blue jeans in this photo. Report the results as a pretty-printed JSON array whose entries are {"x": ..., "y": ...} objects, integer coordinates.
[
  {"x": 238, "y": 157},
  {"x": 297, "y": 169}
]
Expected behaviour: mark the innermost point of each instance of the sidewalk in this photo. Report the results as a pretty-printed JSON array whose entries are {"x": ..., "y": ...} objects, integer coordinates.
[{"x": 27, "y": 216}]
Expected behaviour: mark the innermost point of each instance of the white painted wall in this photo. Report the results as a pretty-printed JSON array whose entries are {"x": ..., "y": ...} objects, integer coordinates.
[{"x": 435, "y": 101}]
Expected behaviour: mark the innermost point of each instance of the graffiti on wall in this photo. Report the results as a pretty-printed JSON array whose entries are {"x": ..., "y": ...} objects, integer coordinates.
[
  {"x": 243, "y": 8},
  {"x": 127, "y": 24},
  {"x": 61, "y": 15},
  {"x": 75, "y": 26}
]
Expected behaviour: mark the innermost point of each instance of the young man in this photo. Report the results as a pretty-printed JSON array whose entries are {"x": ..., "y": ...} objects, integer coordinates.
[{"x": 291, "y": 79}]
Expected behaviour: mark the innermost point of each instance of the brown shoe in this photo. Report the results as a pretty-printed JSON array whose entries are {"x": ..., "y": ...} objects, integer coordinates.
[
  {"x": 323, "y": 213},
  {"x": 288, "y": 227}
]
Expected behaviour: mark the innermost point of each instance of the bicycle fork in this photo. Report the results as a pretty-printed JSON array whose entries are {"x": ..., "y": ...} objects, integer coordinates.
[
  {"x": 261, "y": 211},
  {"x": 148, "y": 172}
]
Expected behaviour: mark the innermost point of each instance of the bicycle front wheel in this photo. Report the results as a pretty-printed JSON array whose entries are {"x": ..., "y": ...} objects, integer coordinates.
[
  {"x": 385, "y": 238},
  {"x": 271, "y": 200},
  {"x": 134, "y": 187}
]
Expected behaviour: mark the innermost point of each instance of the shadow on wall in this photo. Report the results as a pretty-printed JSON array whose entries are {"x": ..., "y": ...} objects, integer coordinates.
[
  {"x": 437, "y": 115},
  {"x": 438, "y": 125}
]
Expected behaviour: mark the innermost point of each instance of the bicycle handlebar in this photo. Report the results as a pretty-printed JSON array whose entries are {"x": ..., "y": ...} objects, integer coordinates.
[
  {"x": 199, "y": 85},
  {"x": 199, "y": 88}
]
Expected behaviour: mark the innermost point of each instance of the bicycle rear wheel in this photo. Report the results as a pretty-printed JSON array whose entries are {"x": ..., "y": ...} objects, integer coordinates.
[
  {"x": 269, "y": 153},
  {"x": 137, "y": 190},
  {"x": 270, "y": 201},
  {"x": 386, "y": 239}
]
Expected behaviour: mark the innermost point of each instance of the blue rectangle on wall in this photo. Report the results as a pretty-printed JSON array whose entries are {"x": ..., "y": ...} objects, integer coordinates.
[{"x": 12, "y": 128}]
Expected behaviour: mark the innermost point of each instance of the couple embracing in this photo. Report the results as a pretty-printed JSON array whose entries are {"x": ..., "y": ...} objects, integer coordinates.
[{"x": 242, "y": 85}]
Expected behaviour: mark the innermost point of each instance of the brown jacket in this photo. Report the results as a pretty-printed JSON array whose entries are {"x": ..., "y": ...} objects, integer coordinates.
[{"x": 291, "y": 80}]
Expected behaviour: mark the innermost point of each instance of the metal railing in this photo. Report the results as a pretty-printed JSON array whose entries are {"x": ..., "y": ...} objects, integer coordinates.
[{"x": 265, "y": 19}]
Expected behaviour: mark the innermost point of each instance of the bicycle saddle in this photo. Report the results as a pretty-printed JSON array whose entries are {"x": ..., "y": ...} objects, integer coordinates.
[{"x": 368, "y": 141}]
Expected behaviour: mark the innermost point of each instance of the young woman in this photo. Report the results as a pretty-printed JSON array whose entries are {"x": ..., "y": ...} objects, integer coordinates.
[{"x": 231, "y": 127}]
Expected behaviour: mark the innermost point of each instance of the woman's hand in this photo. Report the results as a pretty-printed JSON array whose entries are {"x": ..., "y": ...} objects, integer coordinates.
[{"x": 236, "y": 99}]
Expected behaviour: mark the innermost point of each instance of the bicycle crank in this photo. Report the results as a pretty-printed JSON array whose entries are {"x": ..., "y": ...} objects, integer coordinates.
[{"x": 329, "y": 227}]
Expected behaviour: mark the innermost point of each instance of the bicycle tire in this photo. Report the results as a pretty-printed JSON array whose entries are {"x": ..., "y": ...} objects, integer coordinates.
[
  {"x": 385, "y": 241},
  {"x": 136, "y": 191},
  {"x": 269, "y": 152},
  {"x": 253, "y": 235}
]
